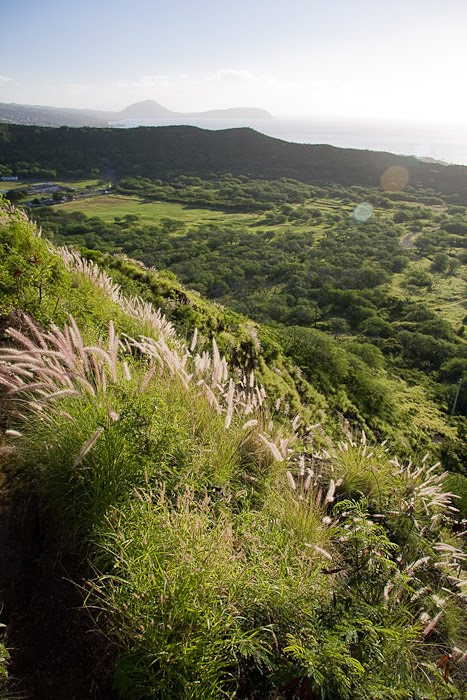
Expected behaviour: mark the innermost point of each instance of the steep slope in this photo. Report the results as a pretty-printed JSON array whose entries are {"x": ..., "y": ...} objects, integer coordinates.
[{"x": 227, "y": 555}]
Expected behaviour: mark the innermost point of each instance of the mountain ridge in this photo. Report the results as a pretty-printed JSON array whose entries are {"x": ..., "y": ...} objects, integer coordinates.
[
  {"x": 43, "y": 115},
  {"x": 171, "y": 150}
]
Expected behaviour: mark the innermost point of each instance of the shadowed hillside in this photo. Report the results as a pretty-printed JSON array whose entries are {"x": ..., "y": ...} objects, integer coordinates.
[{"x": 172, "y": 150}]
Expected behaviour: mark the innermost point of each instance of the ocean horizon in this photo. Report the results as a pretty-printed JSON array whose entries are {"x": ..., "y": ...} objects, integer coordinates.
[{"x": 445, "y": 143}]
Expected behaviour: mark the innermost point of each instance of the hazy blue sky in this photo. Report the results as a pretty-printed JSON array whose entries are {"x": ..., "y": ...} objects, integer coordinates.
[{"x": 376, "y": 58}]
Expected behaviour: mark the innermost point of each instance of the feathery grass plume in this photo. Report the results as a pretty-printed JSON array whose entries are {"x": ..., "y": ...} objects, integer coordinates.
[
  {"x": 194, "y": 340},
  {"x": 37, "y": 387},
  {"x": 250, "y": 424},
  {"x": 75, "y": 263},
  {"x": 212, "y": 400},
  {"x": 145, "y": 311},
  {"x": 60, "y": 394},
  {"x": 449, "y": 550},
  {"x": 308, "y": 481},
  {"x": 147, "y": 377},
  {"x": 432, "y": 624},
  {"x": 21, "y": 339},
  {"x": 291, "y": 481},
  {"x": 321, "y": 551},
  {"x": 13, "y": 433},
  {"x": 202, "y": 363},
  {"x": 216, "y": 362},
  {"x": 133, "y": 306},
  {"x": 272, "y": 447},
  {"x": 451, "y": 560},
  {"x": 296, "y": 422},
  {"x": 167, "y": 357},
  {"x": 53, "y": 364},
  {"x": 416, "y": 564},
  {"x": 301, "y": 465},
  {"x": 67, "y": 415},
  {"x": 426, "y": 488},
  {"x": 329, "y": 498},
  {"x": 230, "y": 404},
  {"x": 87, "y": 447},
  {"x": 34, "y": 330},
  {"x": 126, "y": 371},
  {"x": 113, "y": 345}
]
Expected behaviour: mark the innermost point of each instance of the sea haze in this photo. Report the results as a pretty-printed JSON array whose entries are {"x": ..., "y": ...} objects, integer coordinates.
[{"x": 446, "y": 143}]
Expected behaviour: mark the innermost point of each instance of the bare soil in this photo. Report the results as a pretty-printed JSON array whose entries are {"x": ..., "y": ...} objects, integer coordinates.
[{"x": 57, "y": 652}]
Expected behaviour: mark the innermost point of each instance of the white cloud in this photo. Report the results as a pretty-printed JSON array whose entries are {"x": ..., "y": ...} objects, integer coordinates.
[{"x": 240, "y": 76}]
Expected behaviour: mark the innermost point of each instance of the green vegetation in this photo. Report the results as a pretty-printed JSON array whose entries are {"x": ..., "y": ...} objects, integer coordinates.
[
  {"x": 244, "y": 528},
  {"x": 166, "y": 152},
  {"x": 110, "y": 208},
  {"x": 371, "y": 311},
  {"x": 231, "y": 551}
]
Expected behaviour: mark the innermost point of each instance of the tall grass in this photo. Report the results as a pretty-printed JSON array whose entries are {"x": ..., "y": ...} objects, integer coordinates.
[{"x": 229, "y": 558}]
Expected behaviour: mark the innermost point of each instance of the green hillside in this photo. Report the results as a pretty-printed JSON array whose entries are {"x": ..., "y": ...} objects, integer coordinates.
[
  {"x": 370, "y": 308},
  {"x": 182, "y": 150},
  {"x": 223, "y": 544}
]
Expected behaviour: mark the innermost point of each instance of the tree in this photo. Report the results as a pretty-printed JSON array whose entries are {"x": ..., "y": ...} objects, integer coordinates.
[{"x": 440, "y": 262}]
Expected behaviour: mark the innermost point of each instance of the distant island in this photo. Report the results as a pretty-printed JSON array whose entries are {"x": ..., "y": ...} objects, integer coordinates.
[{"x": 37, "y": 115}]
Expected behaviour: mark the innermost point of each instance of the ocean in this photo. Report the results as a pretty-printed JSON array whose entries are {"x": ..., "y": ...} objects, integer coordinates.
[{"x": 447, "y": 143}]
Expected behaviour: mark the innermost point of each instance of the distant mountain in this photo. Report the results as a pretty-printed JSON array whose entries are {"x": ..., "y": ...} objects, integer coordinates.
[
  {"x": 37, "y": 115},
  {"x": 148, "y": 109}
]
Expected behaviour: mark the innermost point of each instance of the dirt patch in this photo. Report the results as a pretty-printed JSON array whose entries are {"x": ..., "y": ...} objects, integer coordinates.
[{"x": 407, "y": 241}]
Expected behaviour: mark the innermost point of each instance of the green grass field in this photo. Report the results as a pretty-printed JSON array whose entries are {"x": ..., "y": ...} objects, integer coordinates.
[
  {"x": 107, "y": 207},
  {"x": 447, "y": 297},
  {"x": 75, "y": 184},
  {"x": 79, "y": 184}
]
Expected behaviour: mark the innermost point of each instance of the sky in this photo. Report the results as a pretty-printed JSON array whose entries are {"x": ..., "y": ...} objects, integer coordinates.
[{"x": 376, "y": 59}]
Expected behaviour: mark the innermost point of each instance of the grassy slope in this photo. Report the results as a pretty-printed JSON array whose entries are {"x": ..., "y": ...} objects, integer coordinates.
[
  {"x": 108, "y": 207},
  {"x": 227, "y": 560},
  {"x": 416, "y": 423},
  {"x": 415, "y": 419}
]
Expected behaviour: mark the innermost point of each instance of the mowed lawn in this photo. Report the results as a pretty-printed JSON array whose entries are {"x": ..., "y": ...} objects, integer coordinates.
[{"x": 107, "y": 207}]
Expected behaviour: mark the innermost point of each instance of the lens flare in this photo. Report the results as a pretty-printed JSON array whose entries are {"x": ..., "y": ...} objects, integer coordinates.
[
  {"x": 395, "y": 178},
  {"x": 362, "y": 212}
]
